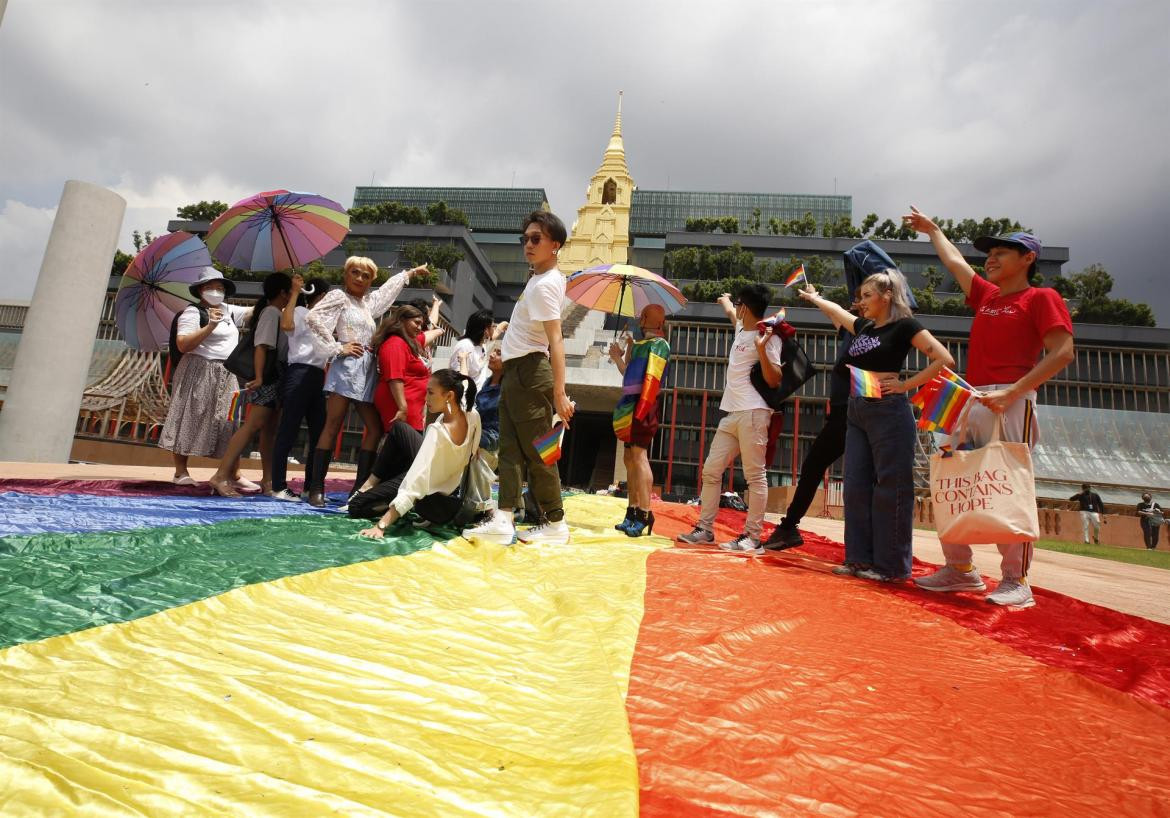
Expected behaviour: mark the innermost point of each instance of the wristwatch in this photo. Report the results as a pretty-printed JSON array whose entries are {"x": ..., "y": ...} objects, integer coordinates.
[{"x": 380, "y": 525}]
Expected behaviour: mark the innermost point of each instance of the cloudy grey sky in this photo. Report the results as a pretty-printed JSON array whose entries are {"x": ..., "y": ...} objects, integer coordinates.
[{"x": 1054, "y": 113}]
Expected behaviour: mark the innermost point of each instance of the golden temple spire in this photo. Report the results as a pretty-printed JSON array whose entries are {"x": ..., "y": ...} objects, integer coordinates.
[{"x": 615, "y": 140}]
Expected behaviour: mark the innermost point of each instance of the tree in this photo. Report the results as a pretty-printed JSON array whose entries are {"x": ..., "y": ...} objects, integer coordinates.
[
  {"x": 202, "y": 211},
  {"x": 1092, "y": 286},
  {"x": 753, "y": 225},
  {"x": 843, "y": 227},
  {"x": 436, "y": 256},
  {"x": 867, "y": 224},
  {"x": 440, "y": 213},
  {"x": 140, "y": 240},
  {"x": 121, "y": 262}
]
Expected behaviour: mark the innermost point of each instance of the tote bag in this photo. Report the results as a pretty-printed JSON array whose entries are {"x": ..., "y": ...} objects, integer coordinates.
[{"x": 984, "y": 495}]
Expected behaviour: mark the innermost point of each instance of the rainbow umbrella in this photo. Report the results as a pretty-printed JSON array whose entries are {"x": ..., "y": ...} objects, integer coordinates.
[
  {"x": 155, "y": 287},
  {"x": 277, "y": 230},
  {"x": 622, "y": 289}
]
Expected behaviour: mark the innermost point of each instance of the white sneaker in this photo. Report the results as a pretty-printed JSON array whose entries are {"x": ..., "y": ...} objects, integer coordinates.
[
  {"x": 497, "y": 529},
  {"x": 546, "y": 534},
  {"x": 1013, "y": 592},
  {"x": 286, "y": 495},
  {"x": 743, "y": 544},
  {"x": 951, "y": 579}
]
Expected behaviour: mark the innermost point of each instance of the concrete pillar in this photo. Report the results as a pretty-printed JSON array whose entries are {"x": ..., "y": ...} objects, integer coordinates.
[{"x": 52, "y": 360}]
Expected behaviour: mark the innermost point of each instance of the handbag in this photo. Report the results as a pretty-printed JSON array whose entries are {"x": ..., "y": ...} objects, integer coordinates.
[
  {"x": 475, "y": 490},
  {"x": 984, "y": 495},
  {"x": 797, "y": 370},
  {"x": 242, "y": 364}
]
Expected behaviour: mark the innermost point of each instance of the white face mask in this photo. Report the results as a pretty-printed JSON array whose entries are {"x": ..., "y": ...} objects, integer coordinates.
[{"x": 213, "y": 297}]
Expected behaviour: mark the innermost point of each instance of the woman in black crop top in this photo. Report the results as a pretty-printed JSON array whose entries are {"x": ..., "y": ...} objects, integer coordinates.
[{"x": 880, "y": 439}]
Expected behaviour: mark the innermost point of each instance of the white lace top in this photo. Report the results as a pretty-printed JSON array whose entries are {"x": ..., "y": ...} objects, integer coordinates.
[{"x": 340, "y": 318}]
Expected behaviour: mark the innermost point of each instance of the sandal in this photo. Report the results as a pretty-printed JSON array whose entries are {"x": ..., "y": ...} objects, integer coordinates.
[
  {"x": 223, "y": 488},
  {"x": 183, "y": 480}
]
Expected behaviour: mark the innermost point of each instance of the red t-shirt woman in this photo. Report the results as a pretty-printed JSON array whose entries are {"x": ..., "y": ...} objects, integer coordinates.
[{"x": 402, "y": 372}]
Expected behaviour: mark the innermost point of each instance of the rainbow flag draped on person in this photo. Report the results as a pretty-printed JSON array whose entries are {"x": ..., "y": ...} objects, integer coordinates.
[
  {"x": 641, "y": 384},
  {"x": 863, "y": 384},
  {"x": 797, "y": 276},
  {"x": 548, "y": 446}
]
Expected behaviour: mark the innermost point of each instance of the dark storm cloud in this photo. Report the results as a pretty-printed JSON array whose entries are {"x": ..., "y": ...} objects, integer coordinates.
[{"x": 1053, "y": 113}]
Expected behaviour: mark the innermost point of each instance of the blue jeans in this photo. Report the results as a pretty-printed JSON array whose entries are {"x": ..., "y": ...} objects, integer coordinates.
[
  {"x": 302, "y": 400},
  {"x": 879, "y": 484}
]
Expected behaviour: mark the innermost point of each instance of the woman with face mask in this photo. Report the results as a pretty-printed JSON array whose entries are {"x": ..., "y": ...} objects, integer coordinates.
[{"x": 201, "y": 389}]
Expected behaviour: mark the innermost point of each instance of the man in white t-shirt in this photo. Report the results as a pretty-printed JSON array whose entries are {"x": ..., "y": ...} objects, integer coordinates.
[
  {"x": 744, "y": 430},
  {"x": 533, "y": 388}
]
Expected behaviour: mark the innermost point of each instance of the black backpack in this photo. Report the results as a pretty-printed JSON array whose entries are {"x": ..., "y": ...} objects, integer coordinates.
[{"x": 174, "y": 353}]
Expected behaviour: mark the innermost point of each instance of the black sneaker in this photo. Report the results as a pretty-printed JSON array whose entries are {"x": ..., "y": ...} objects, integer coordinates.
[{"x": 783, "y": 538}]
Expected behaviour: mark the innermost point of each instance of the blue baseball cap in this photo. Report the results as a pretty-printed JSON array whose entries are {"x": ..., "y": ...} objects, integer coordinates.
[{"x": 1024, "y": 242}]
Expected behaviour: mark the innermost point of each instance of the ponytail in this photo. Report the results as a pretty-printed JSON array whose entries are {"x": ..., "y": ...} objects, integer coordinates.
[{"x": 451, "y": 380}]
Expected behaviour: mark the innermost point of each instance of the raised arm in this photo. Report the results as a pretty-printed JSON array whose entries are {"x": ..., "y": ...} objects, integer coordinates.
[
  {"x": 948, "y": 254},
  {"x": 620, "y": 356},
  {"x": 288, "y": 314},
  {"x": 724, "y": 301},
  {"x": 841, "y": 317},
  {"x": 381, "y": 299}
]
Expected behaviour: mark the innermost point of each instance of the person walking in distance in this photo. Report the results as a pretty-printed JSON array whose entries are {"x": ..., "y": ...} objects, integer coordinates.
[
  {"x": 743, "y": 430},
  {"x": 1021, "y": 337},
  {"x": 1091, "y": 508},
  {"x": 532, "y": 389}
]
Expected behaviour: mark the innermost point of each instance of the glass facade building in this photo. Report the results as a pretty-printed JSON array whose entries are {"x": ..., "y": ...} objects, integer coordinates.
[
  {"x": 658, "y": 212},
  {"x": 488, "y": 209}
]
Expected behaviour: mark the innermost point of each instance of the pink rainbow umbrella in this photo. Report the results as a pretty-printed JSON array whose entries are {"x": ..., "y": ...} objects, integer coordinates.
[
  {"x": 155, "y": 287},
  {"x": 277, "y": 230}
]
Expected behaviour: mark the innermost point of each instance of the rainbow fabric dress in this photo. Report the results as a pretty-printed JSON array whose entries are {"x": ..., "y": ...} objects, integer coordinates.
[{"x": 641, "y": 385}]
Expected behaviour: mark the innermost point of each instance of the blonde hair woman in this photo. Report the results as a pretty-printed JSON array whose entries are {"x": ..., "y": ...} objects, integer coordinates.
[{"x": 342, "y": 324}]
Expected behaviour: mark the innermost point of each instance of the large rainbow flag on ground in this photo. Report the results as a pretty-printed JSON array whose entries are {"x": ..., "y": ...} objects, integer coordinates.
[
  {"x": 641, "y": 383},
  {"x": 166, "y": 653}
]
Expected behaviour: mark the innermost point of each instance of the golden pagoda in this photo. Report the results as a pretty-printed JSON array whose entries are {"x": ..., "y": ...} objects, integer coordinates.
[{"x": 601, "y": 233}]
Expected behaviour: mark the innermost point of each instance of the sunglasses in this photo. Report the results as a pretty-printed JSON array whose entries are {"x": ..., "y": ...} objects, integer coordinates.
[{"x": 531, "y": 238}]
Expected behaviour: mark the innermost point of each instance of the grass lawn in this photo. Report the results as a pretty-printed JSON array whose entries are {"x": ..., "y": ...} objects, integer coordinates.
[{"x": 1136, "y": 556}]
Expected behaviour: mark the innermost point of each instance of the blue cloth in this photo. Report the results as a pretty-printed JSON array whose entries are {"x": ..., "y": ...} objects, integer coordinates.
[
  {"x": 487, "y": 403},
  {"x": 42, "y": 513},
  {"x": 879, "y": 484},
  {"x": 353, "y": 377},
  {"x": 863, "y": 260}
]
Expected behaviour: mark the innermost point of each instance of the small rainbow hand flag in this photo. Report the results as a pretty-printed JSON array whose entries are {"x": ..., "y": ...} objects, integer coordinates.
[
  {"x": 548, "y": 446},
  {"x": 238, "y": 408},
  {"x": 797, "y": 276},
  {"x": 942, "y": 411},
  {"x": 864, "y": 384},
  {"x": 762, "y": 326}
]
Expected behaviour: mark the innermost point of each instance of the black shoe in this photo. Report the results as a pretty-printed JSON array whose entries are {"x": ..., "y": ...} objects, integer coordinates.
[
  {"x": 629, "y": 519},
  {"x": 783, "y": 538}
]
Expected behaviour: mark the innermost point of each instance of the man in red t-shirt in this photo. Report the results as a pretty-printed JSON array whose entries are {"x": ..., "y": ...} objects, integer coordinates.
[{"x": 1020, "y": 337}]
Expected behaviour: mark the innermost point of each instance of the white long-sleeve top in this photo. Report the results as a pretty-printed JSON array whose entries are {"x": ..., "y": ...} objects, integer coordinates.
[
  {"x": 439, "y": 465},
  {"x": 340, "y": 318}
]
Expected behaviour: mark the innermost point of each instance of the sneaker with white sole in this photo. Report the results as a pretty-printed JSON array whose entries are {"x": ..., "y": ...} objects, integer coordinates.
[
  {"x": 848, "y": 569},
  {"x": 876, "y": 576},
  {"x": 545, "y": 533},
  {"x": 286, "y": 495},
  {"x": 1013, "y": 592},
  {"x": 743, "y": 544},
  {"x": 949, "y": 578},
  {"x": 698, "y": 536},
  {"x": 497, "y": 529}
]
